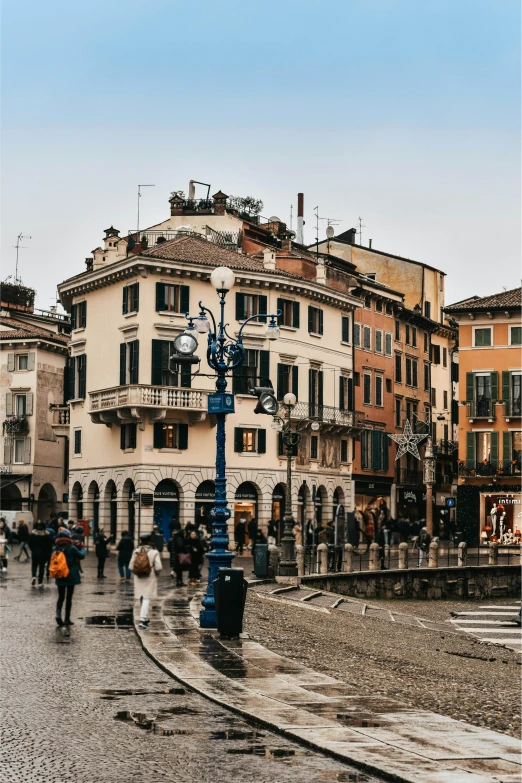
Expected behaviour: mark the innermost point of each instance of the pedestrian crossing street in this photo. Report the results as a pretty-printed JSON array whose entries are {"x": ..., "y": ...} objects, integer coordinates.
[{"x": 494, "y": 624}]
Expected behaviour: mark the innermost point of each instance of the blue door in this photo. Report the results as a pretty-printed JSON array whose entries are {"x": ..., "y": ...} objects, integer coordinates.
[{"x": 164, "y": 512}]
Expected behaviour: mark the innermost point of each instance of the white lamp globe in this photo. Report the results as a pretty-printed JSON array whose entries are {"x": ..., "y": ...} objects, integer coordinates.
[
  {"x": 289, "y": 399},
  {"x": 315, "y": 426},
  {"x": 223, "y": 278},
  {"x": 202, "y": 324},
  {"x": 272, "y": 332}
]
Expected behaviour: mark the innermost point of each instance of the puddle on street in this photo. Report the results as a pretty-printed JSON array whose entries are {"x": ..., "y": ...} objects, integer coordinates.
[
  {"x": 236, "y": 734},
  {"x": 122, "y": 619},
  {"x": 345, "y": 777},
  {"x": 357, "y": 720},
  {"x": 137, "y": 691}
]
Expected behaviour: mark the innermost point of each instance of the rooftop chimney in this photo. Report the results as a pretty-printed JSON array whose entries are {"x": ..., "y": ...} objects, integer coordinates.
[
  {"x": 269, "y": 259},
  {"x": 300, "y": 222},
  {"x": 320, "y": 271}
]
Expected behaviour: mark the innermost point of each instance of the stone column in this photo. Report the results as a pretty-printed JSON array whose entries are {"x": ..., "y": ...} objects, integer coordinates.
[
  {"x": 393, "y": 501},
  {"x": 462, "y": 556},
  {"x": 322, "y": 552},
  {"x": 273, "y": 561},
  {"x": 187, "y": 509},
  {"x": 403, "y": 555},
  {"x": 328, "y": 510},
  {"x": 493, "y": 553},
  {"x": 348, "y": 558},
  {"x": 300, "y": 558},
  {"x": 122, "y": 516},
  {"x": 374, "y": 557},
  {"x": 105, "y": 515},
  {"x": 433, "y": 561}
]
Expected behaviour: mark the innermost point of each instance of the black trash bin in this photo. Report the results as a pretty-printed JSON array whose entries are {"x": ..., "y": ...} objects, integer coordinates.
[
  {"x": 230, "y": 590},
  {"x": 261, "y": 561}
]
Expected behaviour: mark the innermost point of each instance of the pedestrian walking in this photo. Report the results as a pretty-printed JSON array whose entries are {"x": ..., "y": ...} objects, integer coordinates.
[
  {"x": 383, "y": 539},
  {"x": 252, "y": 530},
  {"x": 239, "y": 536},
  {"x": 272, "y": 532},
  {"x": 158, "y": 540},
  {"x": 309, "y": 533},
  {"x": 41, "y": 546},
  {"x": 78, "y": 536},
  {"x": 145, "y": 564},
  {"x": 423, "y": 542},
  {"x": 298, "y": 534},
  {"x": 102, "y": 551},
  {"x": 176, "y": 547},
  {"x": 195, "y": 550},
  {"x": 125, "y": 549},
  {"x": 64, "y": 569},
  {"x": 5, "y": 540},
  {"x": 23, "y": 540}
]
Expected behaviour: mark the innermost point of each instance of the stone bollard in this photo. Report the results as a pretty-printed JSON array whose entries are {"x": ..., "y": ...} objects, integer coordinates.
[
  {"x": 300, "y": 557},
  {"x": 374, "y": 557},
  {"x": 322, "y": 556},
  {"x": 493, "y": 553},
  {"x": 348, "y": 558},
  {"x": 462, "y": 556},
  {"x": 433, "y": 561},
  {"x": 403, "y": 555},
  {"x": 273, "y": 560}
]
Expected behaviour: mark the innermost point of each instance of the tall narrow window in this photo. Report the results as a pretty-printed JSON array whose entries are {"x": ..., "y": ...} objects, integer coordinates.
[
  {"x": 367, "y": 337},
  {"x": 289, "y": 313},
  {"x": 397, "y": 412},
  {"x": 378, "y": 341},
  {"x": 357, "y": 335},
  {"x": 367, "y": 389},
  {"x": 345, "y": 329},
  {"x": 388, "y": 344},
  {"x": 378, "y": 390},
  {"x": 398, "y": 331},
  {"x": 313, "y": 446},
  {"x": 398, "y": 368},
  {"x": 315, "y": 320}
]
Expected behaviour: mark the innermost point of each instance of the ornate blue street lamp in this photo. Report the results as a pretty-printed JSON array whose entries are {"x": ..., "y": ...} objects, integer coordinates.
[{"x": 224, "y": 355}]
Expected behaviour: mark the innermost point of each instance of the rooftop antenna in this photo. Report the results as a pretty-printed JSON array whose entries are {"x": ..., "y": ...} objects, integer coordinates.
[
  {"x": 291, "y": 213},
  {"x": 316, "y": 210},
  {"x": 19, "y": 238},
  {"x": 139, "y": 196},
  {"x": 330, "y": 232},
  {"x": 361, "y": 226}
]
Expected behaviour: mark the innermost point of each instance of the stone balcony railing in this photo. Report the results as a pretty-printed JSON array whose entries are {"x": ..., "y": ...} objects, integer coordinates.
[
  {"x": 325, "y": 415},
  {"x": 121, "y": 404},
  {"x": 61, "y": 420}
]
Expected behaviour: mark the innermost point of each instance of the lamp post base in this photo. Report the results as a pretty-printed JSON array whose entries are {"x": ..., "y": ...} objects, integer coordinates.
[{"x": 208, "y": 618}]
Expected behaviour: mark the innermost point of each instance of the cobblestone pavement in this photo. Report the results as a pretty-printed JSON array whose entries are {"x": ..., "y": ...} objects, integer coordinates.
[
  {"x": 90, "y": 706},
  {"x": 428, "y": 667}
]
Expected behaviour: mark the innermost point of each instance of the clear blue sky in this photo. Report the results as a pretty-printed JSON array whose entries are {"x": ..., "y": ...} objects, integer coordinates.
[{"x": 404, "y": 112}]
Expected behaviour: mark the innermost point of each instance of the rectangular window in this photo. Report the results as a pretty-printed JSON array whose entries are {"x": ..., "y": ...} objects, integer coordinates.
[
  {"x": 425, "y": 342},
  {"x": 165, "y": 373},
  {"x": 368, "y": 302},
  {"x": 22, "y": 361},
  {"x": 388, "y": 343},
  {"x": 398, "y": 412},
  {"x": 357, "y": 335},
  {"x": 427, "y": 309},
  {"x": 77, "y": 441},
  {"x": 248, "y": 305},
  {"x": 388, "y": 385},
  {"x": 127, "y": 436},
  {"x": 389, "y": 308},
  {"x": 170, "y": 436},
  {"x": 398, "y": 368},
  {"x": 289, "y": 313},
  {"x": 445, "y": 398},
  {"x": 315, "y": 320},
  {"x": 287, "y": 380},
  {"x": 398, "y": 331},
  {"x": 344, "y": 451},
  {"x": 18, "y": 458},
  {"x": 482, "y": 336},
  {"x": 435, "y": 354},
  {"x": 378, "y": 341},
  {"x": 357, "y": 379},
  {"x": 415, "y": 373},
  {"x": 129, "y": 362},
  {"x": 79, "y": 315},
  {"x": 249, "y": 440},
  {"x": 81, "y": 376},
  {"x": 313, "y": 446},
  {"x": 130, "y": 299},
  {"x": 408, "y": 338},
  {"x": 255, "y": 371},
  {"x": 414, "y": 337},
  {"x": 433, "y": 396},
  {"x": 345, "y": 329},
  {"x": 378, "y": 390},
  {"x": 378, "y": 305},
  {"x": 345, "y": 393},
  {"x": 367, "y": 338},
  {"x": 367, "y": 389},
  {"x": 444, "y": 357},
  {"x": 20, "y": 406},
  {"x": 374, "y": 449},
  {"x": 172, "y": 298},
  {"x": 409, "y": 371},
  {"x": 426, "y": 376},
  {"x": 515, "y": 335}
]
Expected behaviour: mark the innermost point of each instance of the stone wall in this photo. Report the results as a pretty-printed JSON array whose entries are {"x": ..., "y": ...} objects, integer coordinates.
[{"x": 441, "y": 583}]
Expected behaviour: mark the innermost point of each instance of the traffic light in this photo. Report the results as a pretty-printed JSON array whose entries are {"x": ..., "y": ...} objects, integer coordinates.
[{"x": 267, "y": 402}]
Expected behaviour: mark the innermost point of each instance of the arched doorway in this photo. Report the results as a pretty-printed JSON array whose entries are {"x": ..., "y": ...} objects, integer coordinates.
[
  {"x": 11, "y": 498},
  {"x": 128, "y": 497},
  {"x": 245, "y": 506},
  {"x": 93, "y": 495},
  {"x": 77, "y": 500},
  {"x": 320, "y": 497},
  {"x": 111, "y": 498},
  {"x": 166, "y": 506},
  {"x": 205, "y": 494},
  {"x": 278, "y": 507},
  {"x": 46, "y": 502}
]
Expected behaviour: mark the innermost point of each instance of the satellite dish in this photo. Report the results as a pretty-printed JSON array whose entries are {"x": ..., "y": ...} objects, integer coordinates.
[
  {"x": 330, "y": 232},
  {"x": 274, "y": 219}
]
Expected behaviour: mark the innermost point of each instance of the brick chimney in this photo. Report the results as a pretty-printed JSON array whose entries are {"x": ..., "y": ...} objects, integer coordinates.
[
  {"x": 176, "y": 204},
  {"x": 220, "y": 202},
  {"x": 269, "y": 258},
  {"x": 286, "y": 240}
]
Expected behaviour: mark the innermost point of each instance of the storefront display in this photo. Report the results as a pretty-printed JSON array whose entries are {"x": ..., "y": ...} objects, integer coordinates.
[{"x": 500, "y": 517}]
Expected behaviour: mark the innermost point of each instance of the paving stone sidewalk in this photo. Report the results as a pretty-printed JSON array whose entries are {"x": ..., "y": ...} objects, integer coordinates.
[{"x": 378, "y": 734}]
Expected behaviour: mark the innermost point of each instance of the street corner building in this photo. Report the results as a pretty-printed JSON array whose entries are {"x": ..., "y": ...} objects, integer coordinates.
[{"x": 489, "y": 499}]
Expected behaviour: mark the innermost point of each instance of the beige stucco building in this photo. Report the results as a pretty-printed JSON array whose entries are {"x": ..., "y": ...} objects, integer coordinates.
[{"x": 142, "y": 443}]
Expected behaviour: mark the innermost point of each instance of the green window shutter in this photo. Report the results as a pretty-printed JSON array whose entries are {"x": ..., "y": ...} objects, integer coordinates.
[
  {"x": 132, "y": 436},
  {"x": 122, "y": 436},
  {"x": 263, "y": 307},
  {"x": 494, "y": 386},
  {"x": 183, "y": 436},
  {"x": 73, "y": 316},
  {"x": 295, "y": 320},
  {"x": 345, "y": 329},
  {"x": 376, "y": 449},
  {"x": 160, "y": 297},
  {"x": 311, "y": 387},
  {"x": 124, "y": 307},
  {"x": 72, "y": 378},
  {"x": 280, "y": 381},
  {"x": 83, "y": 314},
  {"x": 470, "y": 387},
  {"x": 66, "y": 383},
  {"x": 320, "y": 321},
  {"x": 342, "y": 385},
  {"x": 156, "y": 375},
  {"x": 506, "y": 385},
  {"x": 385, "y": 451},
  {"x": 320, "y": 387},
  {"x": 8, "y": 403},
  {"x": 186, "y": 376},
  {"x": 82, "y": 376},
  {"x": 311, "y": 318},
  {"x": 135, "y": 361},
  {"x": 280, "y": 445},
  {"x": 470, "y": 447},
  {"x": 295, "y": 381},
  {"x": 136, "y": 297},
  {"x": 506, "y": 448},
  {"x": 29, "y": 404},
  {"x": 240, "y": 306},
  {"x": 280, "y": 308},
  {"x": 264, "y": 366},
  {"x": 123, "y": 364},
  {"x": 494, "y": 448},
  {"x": 238, "y": 439},
  {"x": 364, "y": 450},
  {"x": 261, "y": 441},
  {"x": 351, "y": 405},
  {"x": 184, "y": 299},
  {"x": 158, "y": 435}
]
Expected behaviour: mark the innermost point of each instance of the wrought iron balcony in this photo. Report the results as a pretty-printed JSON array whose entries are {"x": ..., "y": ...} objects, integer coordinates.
[
  {"x": 445, "y": 448},
  {"x": 513, "y": 409},
  {"x": 481, "y": 409},
  {"x": 121, "y": 404},
  {"x": 61, "y": 420},
  {"x": 16, "y": 425},
  {"x": 470, "y": 468},
  {"x": 409, "y": 478},
  {"x": 325, "y": 415}
]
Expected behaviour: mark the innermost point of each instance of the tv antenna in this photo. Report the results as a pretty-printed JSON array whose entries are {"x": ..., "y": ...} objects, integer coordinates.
[
  {"x": 19, "y": 246},
  {"x": 361, "y": 226},
  {"x": 139, "y": 196}
]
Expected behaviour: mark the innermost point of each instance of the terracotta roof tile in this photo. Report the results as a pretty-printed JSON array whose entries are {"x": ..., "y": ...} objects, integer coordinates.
[
  {"x": 506, "y": 299},
  {"x": 28, "y": 331}
]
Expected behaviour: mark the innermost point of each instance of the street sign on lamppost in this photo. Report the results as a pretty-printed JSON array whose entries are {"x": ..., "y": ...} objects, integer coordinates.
[
  {"x": 224, "y": 354},
  {"x": 429, "y": 480}
]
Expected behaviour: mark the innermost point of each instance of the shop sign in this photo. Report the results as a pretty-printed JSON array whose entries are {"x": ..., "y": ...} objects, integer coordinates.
[
  {"x": 169, "y": 494},
  {"x": 205, "y": 495},
  {"x": 279, "y": 496},
  {"x": 220, "y": 402},
  {"x": 5, "y": 469},
  {"x": 372, "y": 488},
  {"x": 246, "y": 496},
  {"x": 409, "y": 496},
  {"x": 509, "y": 501}
]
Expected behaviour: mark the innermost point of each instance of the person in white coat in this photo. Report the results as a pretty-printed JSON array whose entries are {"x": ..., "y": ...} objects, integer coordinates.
[{"x": 146, "y": 585}]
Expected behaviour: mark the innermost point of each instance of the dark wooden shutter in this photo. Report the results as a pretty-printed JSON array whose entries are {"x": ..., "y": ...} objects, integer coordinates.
[
  {"x": 280, "y": 308},
  {"x": 186, "y": 376},
  {"x": 73, "y": 316},
  {"x": 238, "y": 439},
  {"x": 122, "y": 436},
  {"x": 415, "y": 368},
  {"x": 158, "y": 435},
  {"x": 156, "y": 375},
  {"x": 263, "y": 307},
  {"x": 320, "y": 387},
  {"x": 320, "y": 321},
  {"x": 237, "y": 381},
  {"x": 124, "y": 305},
  {"x": 364, "y": 453},
  {"x": 135, "y": 356},
  {"x": 123, "y": 364},
  {"x": 470, "y": 387},
  {"x": 183, "y": 436},
  {"x": 470, "y": 447},
  {"x": 345, "y": 329},
  {"x": 82, "y": 376},
  {"x": 132, "y": 436},
  {"x": 494, "y": 386},
  {"x": 295, "y": 321},
  {"x": 311, "y": 318},
  {"x": 83, "y": 314},
  {"x": 184, "y": 299},
  {"x": 494, "y": 448},
  {"x": 311, "y": 387},
  {"x": 261, "y": 441},
  {"x": 506, "y": 385},
  {"x": 280, "y": 445},
  {"x": 506, "y": 448},
  {"x": 136, "y": 297},
  {"x": 280, "y": 381},
  {"x": 240, "y": 306},
  {"x": 295, "y": 381},
  {"x": 385, "y": 451},
  {"x": 66, "y": 382},
  {"x": 160, "y": 297},
  {"x": 376, "y": 450},
  {"x": 264, "y": 367},
  {"x": 71, "y": 392},
  {"x": 342, "y": 382},
  {"x": 351, "y": 406}
]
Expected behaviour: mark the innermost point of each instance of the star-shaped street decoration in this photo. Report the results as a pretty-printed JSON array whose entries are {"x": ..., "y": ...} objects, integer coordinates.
[{"x": 407, "y": 441}]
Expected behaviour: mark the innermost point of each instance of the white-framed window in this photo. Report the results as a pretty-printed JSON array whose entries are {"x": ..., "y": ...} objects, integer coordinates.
[
  {"x": 515, "y": 335},
  {"x": 77, "y": 442},
  {"x": 20, "y": 405},
  {"x": 367, "y": 338},
  {"x": 21, "y": 361},
  {"x": 18, "y": 451},
  {"x": 482, "y": 336},
  {"x": 378, "y": 341},
  {"x": 388, "y": 337}
]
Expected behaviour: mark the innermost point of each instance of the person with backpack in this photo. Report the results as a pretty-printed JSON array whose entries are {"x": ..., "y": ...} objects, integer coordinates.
[
  {"x": 102, "y": 550},
  {"x": 41, "y": 546},
  {"x": 64, "y": 570},
  {"x": 125, "y": 549},
  {"x": 23, "y": 539},
  {"x": 145, "y": 564}
]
